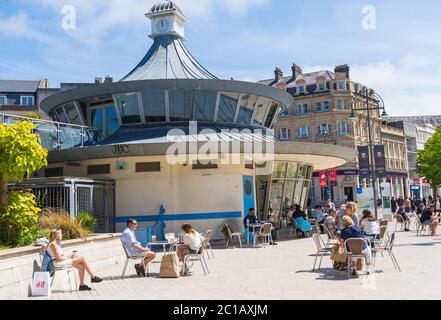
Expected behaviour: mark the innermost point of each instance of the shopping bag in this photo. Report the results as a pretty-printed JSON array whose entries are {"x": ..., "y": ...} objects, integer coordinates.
[
  {"x": 338, "y": 253},
  {"x": 41, "y": 284},
  {"x": 169, "y": 266}
]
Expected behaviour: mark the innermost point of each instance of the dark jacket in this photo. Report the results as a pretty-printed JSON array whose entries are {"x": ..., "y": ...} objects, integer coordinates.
[
  {"x": 352, "y": 232},
  {"x": 251, "y": 219}
]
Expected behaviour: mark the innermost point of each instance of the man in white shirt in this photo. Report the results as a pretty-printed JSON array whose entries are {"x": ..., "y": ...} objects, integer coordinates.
[{"x": 134, "y": 247}]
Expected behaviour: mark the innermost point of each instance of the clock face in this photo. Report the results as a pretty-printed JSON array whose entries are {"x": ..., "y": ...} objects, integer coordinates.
[{"x": 162, "y": 25}]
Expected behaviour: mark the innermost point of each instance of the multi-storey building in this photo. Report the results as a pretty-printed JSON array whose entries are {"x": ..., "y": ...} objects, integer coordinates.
[
  {"x": 321, "y": 113},
  {"x": 417, "y": 130},
  {"x": 396, "y": 183},
  {"x": 434, "y": 120}
]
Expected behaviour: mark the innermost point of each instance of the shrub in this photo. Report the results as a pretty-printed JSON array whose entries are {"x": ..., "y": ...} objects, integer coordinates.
[
  {"x": 19, "y": 222},
  {"x": 59, "y": 219},
  {"x": 87, "y": 220}
]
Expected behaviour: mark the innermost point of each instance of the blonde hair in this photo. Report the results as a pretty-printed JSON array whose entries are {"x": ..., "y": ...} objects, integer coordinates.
[
  {"x": 53, "y": 234},
  {"x": 354, "y": 207},
  {"x": 347, "y": 221}
]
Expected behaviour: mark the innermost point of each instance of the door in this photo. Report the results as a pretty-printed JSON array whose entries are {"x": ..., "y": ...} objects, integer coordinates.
[
  {"x": 349, "y": 193},
  {"x": 248, "y": 194}
]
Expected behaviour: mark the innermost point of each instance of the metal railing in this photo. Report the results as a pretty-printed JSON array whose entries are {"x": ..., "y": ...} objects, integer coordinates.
[{"x": 56, "y": 135}]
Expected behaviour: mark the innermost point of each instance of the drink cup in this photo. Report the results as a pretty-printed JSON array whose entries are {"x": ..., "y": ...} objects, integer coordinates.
[{"x": 74, "y": 253}]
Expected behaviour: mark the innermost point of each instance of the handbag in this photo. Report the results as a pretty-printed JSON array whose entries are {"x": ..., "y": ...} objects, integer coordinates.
[
  {"x": 338, "y": 253},
  {"x": 40, "y": 285},
  {"x": 169, "y": 266}
]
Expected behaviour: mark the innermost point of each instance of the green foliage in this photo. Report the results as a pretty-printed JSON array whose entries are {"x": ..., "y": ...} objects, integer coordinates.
[
  {"x": 429, "y": 161},
  {"x": 20, "y": 151},
  {"x": 59, "y": 219},
  {"x": 32, "y": 115},
  {"x": 19, "y": 222},
  {"x": 87, "y": 220}
]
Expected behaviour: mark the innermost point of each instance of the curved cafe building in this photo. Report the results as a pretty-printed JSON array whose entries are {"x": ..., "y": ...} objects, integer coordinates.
[{"x": 181, "y": 145}]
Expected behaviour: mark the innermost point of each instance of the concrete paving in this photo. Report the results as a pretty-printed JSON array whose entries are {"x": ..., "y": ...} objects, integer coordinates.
[{"x": 284, "y": 272}]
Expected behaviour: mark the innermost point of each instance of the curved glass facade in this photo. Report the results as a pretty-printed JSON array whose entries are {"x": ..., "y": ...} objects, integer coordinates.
[
  {"x": 165, "y": 106},
  {"x": 288, "y": 184}
]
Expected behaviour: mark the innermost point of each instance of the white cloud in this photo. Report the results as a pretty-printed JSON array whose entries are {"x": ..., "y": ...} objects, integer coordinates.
[
  {"x": 18, "y": 25},
  {"x": 237, "y": 7}
]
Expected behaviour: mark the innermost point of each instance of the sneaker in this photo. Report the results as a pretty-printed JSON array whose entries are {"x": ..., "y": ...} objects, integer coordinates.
[
  {"x": 84, "y": 287},
  {"x": 141, "y": 270},
  {"x": 138, "y": 270},
  {"x": 354, "y": 272},
  {"x": 96, "y": 279}
]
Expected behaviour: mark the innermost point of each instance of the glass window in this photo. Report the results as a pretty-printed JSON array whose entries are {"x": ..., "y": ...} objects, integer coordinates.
[
  {"x": 96, "y": 121},
  {"x": 304, "y": 193},
  {"x": 301, "y": 89},
  {"x": 111, "y": 121},
  {"x": 61, "y": 115},
  {"x": 154, "y": 106},
  {"x": 262, "y": 109},
  {"x": 298, "y": 109},
  {"x": 284, "y": 134},
  {"x": 27, "y": 100},
  {"x": 324, "y": 128},
  {"x": 271, "y": 114},
  {"x": 288, "y": 194},
  {"x": 129, "y": 108},
  {"x": 321, "y": 87},
  {"x": 291, "y": 170},
  {"x": 341, "y": 84},
  {"x": 3, "y": 100},
  {"x": 72, "y": 114},
  {"x": 305, "y": 109},
  {"x": 345, "y": 105},
  {"x": 298, "y": 192},
  {"x": 344, "y": 128},
  {"x": 339, "y": 105},
  {"x": 275, "y": 199},
  {"x": 180, "y": 105},
  {"x": 303, "y": 132},
  {"x": 227, "y": 106},
  {"x": 318, "y": 107},
  {"x": 247, "y": 104},
  {"x": 279, "y": 170},
  {"x": 326, "y": 106},
  {"x": 204, "y": 103}
]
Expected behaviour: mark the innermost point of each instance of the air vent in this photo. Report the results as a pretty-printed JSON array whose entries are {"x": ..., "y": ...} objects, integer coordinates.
[
  {"x": 148, "y": 166},
  {"x": 98, "y": 169},
  {"x": 54, "y": 172}
]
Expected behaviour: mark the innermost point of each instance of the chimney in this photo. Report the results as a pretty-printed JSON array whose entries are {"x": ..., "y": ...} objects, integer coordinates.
[
  {"x": 278, "y": 73},
  {"x": 108, "y": 79},
  {"x": 296, "y": 71},
  {"x": 344, "y": 68},
  {"x": 98, "y": 80}
]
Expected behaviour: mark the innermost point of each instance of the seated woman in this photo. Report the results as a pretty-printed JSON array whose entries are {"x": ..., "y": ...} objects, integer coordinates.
[
  {"x": 76, "y": 261},
  {"x": 192, "y": 242},
  {"x": 351, "y": 211},
  {"x": 404, "y": 217},
  {"x": 430, "y": 218},
  {"x": 369, "y": 224},
  {"x": 350, "y": 231},
  {"x": 303, "y": 225}
]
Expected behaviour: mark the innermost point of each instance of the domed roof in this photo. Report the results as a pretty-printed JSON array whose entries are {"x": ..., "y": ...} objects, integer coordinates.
[{"x": 165, "y": 6}]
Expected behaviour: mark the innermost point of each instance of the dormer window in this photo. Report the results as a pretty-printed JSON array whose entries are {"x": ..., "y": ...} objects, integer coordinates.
[
  {"x": 301, "y": 89},
  {"x": 3, "y": 100},
  {"x": 321, "y": 87}
]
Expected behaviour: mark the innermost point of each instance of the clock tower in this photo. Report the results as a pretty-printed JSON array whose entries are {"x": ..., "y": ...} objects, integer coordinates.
[{"x": 167, "y": 19}]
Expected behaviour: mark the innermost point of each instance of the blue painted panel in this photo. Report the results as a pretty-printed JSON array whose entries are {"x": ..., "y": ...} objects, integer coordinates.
[
  {"x": 248, "y": 194},
  {"x": 182, "y": 217}
]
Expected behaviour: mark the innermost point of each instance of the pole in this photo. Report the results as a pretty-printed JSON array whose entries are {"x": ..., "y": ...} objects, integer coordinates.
[
  {"x": 328, "y": 175},
  {"x": 371, "y": 157}
]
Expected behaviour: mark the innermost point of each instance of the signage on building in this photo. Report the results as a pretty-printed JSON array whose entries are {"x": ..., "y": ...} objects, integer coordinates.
[
  {"x": 323, "y": 179},
  {"x": 380, "y": 161},
  {"x": 333, "y": 175},
  {"x": 363, "y": 162},
  {"x": 415, "y": 187}
]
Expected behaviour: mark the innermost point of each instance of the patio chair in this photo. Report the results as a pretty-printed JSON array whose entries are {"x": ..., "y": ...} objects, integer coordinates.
[
  {"x": 293, "y": 229},
  {"x": 332, "y": 238},
  {"x": 387, "y": 248},
  {"x": 321, "y": 250},
  {"x": 208, "y": 236},
  {"x": 229, "y": 235},
  {"x": 379, "y": 241},
  {"x": 420, "y": 228},
  {"x": 399, "y": 220},
  {"x": 384, "y": 222},
  {"x": 199, "y": 255},
  {"x": 265, "y": 234},
  {"x": 129, "y": 257},
  {"x": 354, "y": 249},
  {"x": 69, "y": 269}
]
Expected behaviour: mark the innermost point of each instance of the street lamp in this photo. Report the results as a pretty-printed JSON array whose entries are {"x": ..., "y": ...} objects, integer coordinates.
[
  {"x": 325, "y": 133},
  {"x": 370, "y": 94}
]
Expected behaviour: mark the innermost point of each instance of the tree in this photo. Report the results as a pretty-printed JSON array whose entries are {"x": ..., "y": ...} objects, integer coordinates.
[
  {"x": 429, "y": 161},
  {"x": 20, "y": 155}
]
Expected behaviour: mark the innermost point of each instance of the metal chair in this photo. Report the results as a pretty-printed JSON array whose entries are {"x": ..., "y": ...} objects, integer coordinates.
[
  {"x": 399, "y": 220},
  {"x": 332, "y": 239},
  {"x": 354, "y": 249},
  {"x": 420, "y": 228},
  {"x": 199, "y": 255},
  {"x": 208, "y": 236},
  {"x": 387, "y": 248},
  {"x": 379, "y": 241},
  {"x": 69, "y": 269},
  {"x": 320, "y": 250},
  {"x": 133, "y": 257},
  {"x": 265, "y": 234}
]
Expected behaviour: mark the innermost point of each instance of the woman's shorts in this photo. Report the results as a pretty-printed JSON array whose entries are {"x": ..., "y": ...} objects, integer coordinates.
[
  {"x": 427, "y": 222},
  {"x": 63, "y": 264}
]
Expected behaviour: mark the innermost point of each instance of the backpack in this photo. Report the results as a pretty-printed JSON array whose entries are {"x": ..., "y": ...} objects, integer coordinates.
[
  {"x": 47, "y": 265},
  {"x": 169, "y": 266}
]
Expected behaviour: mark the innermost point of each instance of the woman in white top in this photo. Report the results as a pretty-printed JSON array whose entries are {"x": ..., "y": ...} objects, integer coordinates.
[
  {"x": 62, "y": 260},
  {"x": 368, "y": 224},
  {"x": 192, "y": 241}
]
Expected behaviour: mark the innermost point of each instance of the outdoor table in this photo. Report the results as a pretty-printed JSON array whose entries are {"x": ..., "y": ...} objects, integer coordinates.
[
  {"x": 254, "y": 227},
  {"x": 162, "y": 243}
]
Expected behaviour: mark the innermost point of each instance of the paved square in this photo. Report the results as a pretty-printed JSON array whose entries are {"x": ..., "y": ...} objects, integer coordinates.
[{"x": 284, "y": 272}]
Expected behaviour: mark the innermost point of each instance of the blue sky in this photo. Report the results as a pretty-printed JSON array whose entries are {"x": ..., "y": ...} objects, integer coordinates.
[{"x": 243, "y": 39}]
